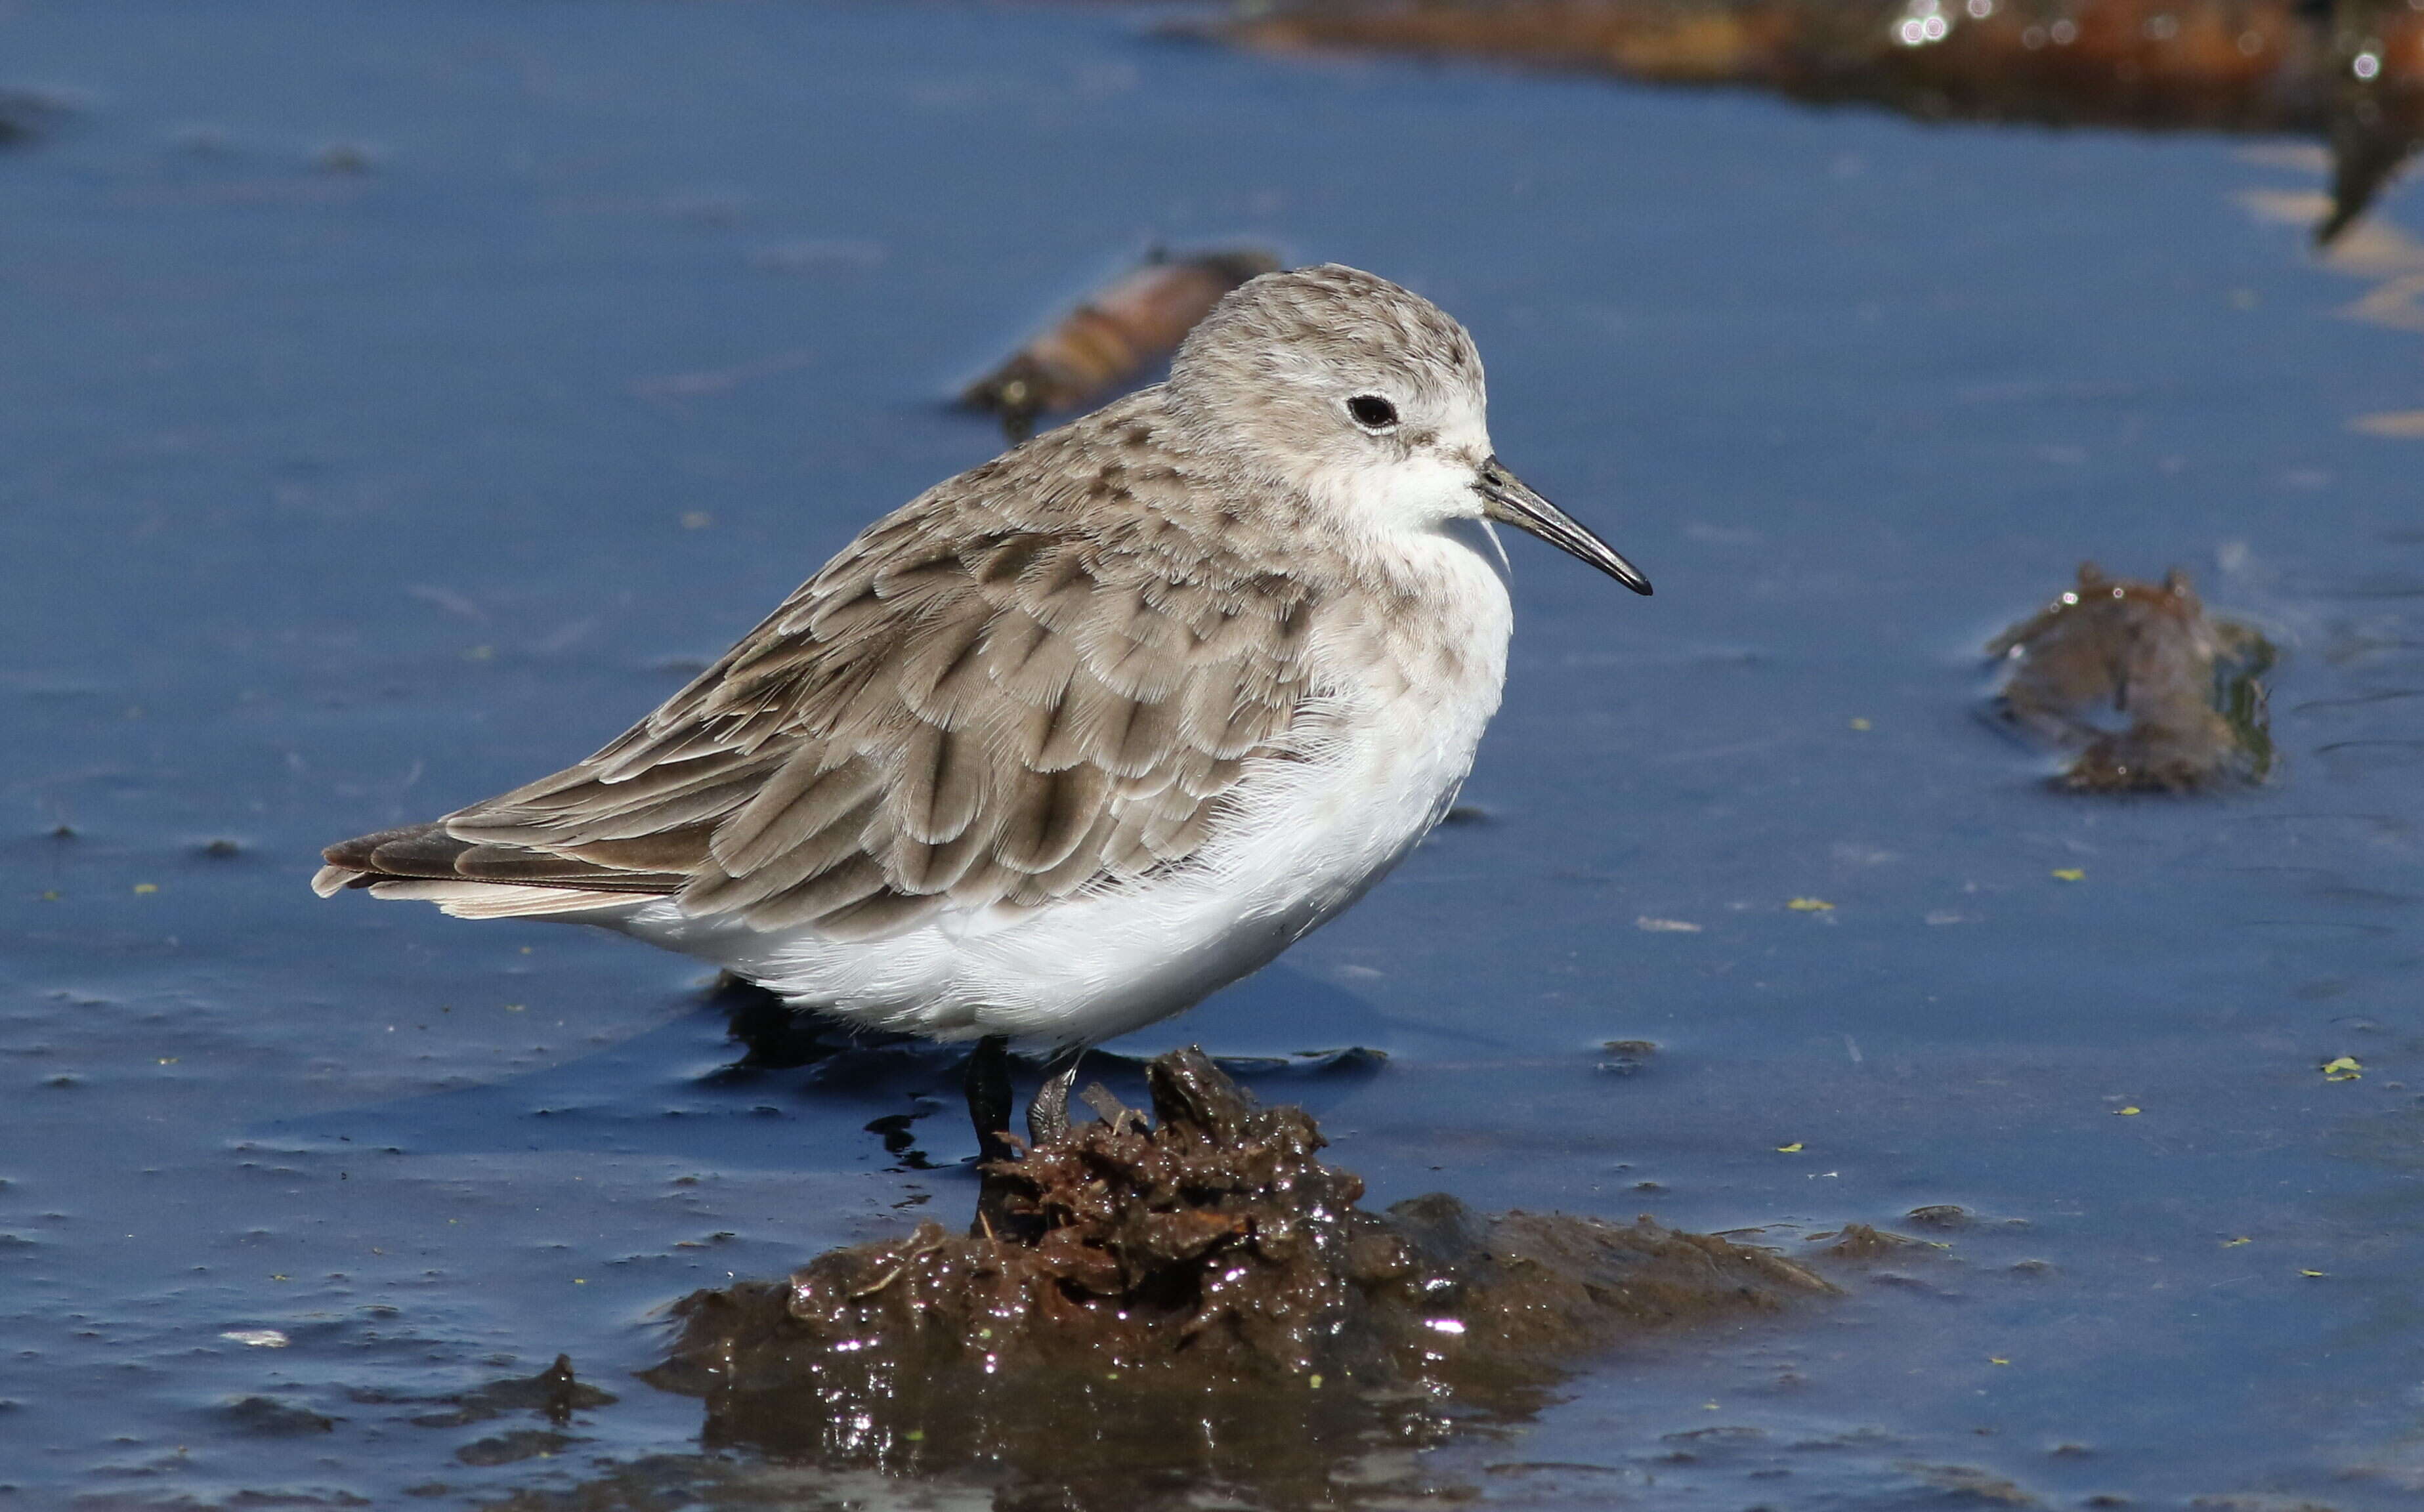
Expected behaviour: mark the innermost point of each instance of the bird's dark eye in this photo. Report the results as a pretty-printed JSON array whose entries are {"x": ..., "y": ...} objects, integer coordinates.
[{"x": 1372, "y": 412}]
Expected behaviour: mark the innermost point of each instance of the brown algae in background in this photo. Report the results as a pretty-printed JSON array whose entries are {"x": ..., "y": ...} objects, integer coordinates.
[
  {"x": 1111, "y": 337},
  {"x": 2150, "y": 692},
  {"x": 1208, "y": 1272},
  {"x": 2351, "y": 72}
]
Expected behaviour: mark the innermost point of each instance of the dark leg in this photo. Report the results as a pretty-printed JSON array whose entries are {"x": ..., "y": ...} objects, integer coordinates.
[
  {"x": 1047, "y": 1116},
  {"x": 990, "y": 1098}
]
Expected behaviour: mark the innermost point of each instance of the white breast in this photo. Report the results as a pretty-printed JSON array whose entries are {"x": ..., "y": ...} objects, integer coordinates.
[{"x": 1406, "y": 700}]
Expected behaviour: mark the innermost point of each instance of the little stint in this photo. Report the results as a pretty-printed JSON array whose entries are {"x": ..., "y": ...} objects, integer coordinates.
[{"x": 1076, "y": 738}]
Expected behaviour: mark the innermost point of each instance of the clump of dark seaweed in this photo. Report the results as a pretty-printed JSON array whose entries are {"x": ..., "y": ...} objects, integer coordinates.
[
  {"x": 1197, "y": 1303},
  {"x": 2150, "y": 692}
]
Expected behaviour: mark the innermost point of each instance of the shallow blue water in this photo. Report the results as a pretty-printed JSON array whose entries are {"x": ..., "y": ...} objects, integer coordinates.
[{"x": 334, "y": 497}]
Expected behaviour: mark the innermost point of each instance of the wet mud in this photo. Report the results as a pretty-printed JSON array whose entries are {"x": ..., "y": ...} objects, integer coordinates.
[
  {"x": 1204, "y": 1269},
  {"x": 1112, "y": 337},
  {"x": 2147, "y": 691},
  {"x": 2352, "y": 73}
]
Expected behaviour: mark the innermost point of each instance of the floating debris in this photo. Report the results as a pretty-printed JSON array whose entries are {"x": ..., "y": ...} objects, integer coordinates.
[
  {"x": 345, "y": 157},
  {"x": 1626, "y": 1056},
  {"x": 268, "y": 1418},
  {"x": 2350, "y": 72},
  {"x": 255, "y": 1338},
  {"x": 1111, "y": 337},
  {"x": 1862, "y": 1242},
  {"x": 554, "y": 1393},
  {"x": 27, "y": 116},
  {"x": 1204, "y": 1269},
  {"x": 2152, "y": 693}
]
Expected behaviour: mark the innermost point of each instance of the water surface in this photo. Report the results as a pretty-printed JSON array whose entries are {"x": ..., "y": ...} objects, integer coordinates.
[{"x": 396, "y": 401}]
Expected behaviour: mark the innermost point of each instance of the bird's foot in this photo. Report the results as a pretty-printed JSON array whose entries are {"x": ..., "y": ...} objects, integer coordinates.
[{"x": 1047, "y": 1116}]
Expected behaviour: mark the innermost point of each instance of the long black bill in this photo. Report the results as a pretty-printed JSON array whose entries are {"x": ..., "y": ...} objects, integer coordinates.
[{"x": 1505, "y": 496}]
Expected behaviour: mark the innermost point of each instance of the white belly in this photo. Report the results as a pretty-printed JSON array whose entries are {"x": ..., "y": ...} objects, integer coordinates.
[{"x": 1311, "y": 836}]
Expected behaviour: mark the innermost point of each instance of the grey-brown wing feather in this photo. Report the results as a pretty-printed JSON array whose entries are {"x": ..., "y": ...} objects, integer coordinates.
[{"x": 975, "y": 704}]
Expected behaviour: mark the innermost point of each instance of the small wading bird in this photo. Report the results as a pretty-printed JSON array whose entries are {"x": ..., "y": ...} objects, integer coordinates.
[{"x": 1074, "y": 738}]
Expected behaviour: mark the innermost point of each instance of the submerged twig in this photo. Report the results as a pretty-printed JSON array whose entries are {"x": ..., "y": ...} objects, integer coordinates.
[{"x": 1111, "y": 337}]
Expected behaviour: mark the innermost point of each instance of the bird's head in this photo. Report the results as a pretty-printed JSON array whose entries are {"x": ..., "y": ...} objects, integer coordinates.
[{"x": 1367, "y": 399}]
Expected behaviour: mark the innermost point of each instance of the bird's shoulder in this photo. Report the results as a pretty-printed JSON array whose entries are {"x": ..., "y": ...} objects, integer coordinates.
[{"x": 1103, "y": 534}]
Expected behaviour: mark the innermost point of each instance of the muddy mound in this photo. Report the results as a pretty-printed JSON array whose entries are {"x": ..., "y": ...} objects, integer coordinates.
[
  {"x": 1205, "y": 1270},
  {"x": 2148, "y": 692}
]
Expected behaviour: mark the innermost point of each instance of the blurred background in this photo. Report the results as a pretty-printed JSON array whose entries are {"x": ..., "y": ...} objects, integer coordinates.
[{"x": 396, "y": 401}]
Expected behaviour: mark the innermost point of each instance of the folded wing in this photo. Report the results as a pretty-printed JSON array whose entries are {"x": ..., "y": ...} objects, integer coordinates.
[{"x": 957, "y": 712}]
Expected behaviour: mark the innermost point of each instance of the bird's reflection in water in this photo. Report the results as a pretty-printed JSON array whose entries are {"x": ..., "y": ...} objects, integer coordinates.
[{"x": 922, "y": 1078}]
